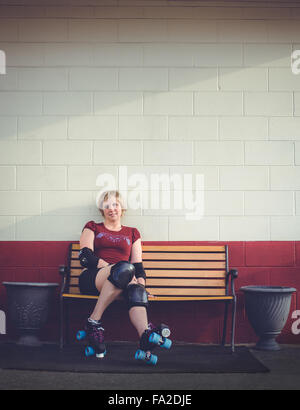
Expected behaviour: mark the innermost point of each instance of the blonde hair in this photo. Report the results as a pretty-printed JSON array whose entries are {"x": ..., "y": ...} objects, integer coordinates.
[{"x": 108, "y": 194}]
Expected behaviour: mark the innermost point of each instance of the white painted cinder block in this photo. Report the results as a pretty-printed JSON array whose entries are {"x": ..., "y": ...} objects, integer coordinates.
[
  {"x": 174, "y": 90},
  {"x": 281, "y": 128},
  {"x": 193, "y": 128},
  {"x": 20, "y": 203},
  {"x": 20, "y": 153},
  {"x": 44, "y": 30},
  {"x": 92, "y": 127},
  {"x": 42, "y": 79},
  {"x": 269, "y": 153},
  {"x": 7, "y": 178},
  {"x": 117, "y": 153},
  {"x": 218, "y": 103},
  {"x": 267, "y": 55},
  {"x": 245, "y": 79},
  {"x": 7, "y": 228},
  {"x": 42, "y": 128},
  {"x": 219, "y": 153},
  {"x": 168, "y": 103},
  {"x": 21, "y": 103},
  {"x": 269, "y": 203},
  {"x": 168, "y": 153},
  {"x": 8, "y": 128},
  {"x": 91, "y": 79},
  {"x": 67, "y": 203},
  {"x": 41, "y": 178},
  {"x": 123, "y": 103},
  {"x": 244, "y": 128},
  {"x": 244, "y": 178},
  {"x": 285, "y": 178},
  {"x": 207, "y": 228},
  {"x": 143, "y": 127},
  {"x": 67, "y": 153},
  {"x": 84, "y": 178},
  {"x": 244, "y": 228},
  {"x": 269, "y": 104},
  {"x": 285, "y": 227},
  {"x": 143, "y": 79},
  {"x": 67, "y": 103}
]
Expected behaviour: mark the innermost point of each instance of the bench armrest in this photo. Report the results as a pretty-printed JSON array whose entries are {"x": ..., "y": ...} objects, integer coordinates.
[
  {"x": 233, "y": 273},
  {"x": 63, "y": 270}
]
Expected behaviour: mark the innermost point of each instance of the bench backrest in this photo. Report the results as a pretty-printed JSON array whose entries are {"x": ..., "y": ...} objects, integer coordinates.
[{"x": 174, "y": 271}]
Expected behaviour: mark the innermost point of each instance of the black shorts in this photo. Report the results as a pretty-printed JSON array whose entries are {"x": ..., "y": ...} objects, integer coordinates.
[{"x": 87, "y": 284}]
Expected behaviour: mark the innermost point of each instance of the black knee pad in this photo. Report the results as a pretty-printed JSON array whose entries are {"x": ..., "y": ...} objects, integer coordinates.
[
  {"x": 121, "y": 274},
  {"x": 136, "y": 295}
]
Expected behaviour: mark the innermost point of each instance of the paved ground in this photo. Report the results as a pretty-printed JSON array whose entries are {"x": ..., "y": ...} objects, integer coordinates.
[{"x": 284, "y": 374}]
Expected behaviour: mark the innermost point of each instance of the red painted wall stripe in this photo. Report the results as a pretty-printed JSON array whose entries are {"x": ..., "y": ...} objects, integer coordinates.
[{"x": 259, "y": 263}]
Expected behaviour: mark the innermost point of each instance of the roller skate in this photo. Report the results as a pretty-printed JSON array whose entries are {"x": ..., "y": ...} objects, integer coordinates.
[
  {"x": 151, "y": 338},
  {"x": 94, "y": 333}
]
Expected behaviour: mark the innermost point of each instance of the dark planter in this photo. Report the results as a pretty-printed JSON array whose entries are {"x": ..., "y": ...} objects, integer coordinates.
[
  {"x": 27, "y": 308},
  {"x": 267, "y": 308}
]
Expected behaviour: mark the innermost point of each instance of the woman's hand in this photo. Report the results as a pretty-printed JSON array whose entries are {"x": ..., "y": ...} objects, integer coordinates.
[{"x": 141, "y": 281}]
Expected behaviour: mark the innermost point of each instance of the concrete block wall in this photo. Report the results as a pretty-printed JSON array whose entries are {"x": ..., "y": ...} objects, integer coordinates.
[{"x": 160, "y": 87}]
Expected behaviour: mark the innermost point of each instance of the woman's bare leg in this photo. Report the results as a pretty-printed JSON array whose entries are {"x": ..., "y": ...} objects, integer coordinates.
[
  {"x": 108, "y": 293},
  {"x": 139, "y": 319}
]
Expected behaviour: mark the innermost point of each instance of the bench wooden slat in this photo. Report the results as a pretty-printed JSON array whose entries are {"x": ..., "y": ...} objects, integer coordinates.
[
  {"x": 186, "y": 291},
  {"x": 187, "y": 298},
  {"x": 173, "y": 282},
  {"x": 158, "y": 298},
  {"x": 184, "y": 248},
  {"x": 186, "y": 282},
  {"x": 74, "y": 289},
  {"x": 175, "y": 256},
  {"x": 180, "y": 292},
  {"x": 173, "y": 264},
  {"x": 184, "y": 265},
  {"x": 174, "y": 248},
  {"x": 185, "y": 273},
  {"x": 184, "y": 256},
  {"x": 75, "y": 272},
  {"x": 220, "y": 256}
]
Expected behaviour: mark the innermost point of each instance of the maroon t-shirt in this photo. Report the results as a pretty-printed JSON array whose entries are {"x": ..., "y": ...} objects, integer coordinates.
[{"x": 113, "y": 246}]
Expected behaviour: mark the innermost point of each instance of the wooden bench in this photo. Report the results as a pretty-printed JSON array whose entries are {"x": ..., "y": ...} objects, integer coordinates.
[{"x": 174, "y": 273}]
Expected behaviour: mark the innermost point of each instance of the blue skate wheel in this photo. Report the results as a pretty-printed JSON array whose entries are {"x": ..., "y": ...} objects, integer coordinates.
[
  {"x": 154, "y": 338},
  {"x": 81, "y": 335},
  {"x": 140, "y": 355},
  {"x": 89, "y": 351},
  {"x": 101, "y": 355},
  {"x": 153, "y": 360},
  {"x": 167, "y": 344}
]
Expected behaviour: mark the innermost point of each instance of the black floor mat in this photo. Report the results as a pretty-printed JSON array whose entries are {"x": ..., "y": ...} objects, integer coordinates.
[{"x": 182, "y": 358}]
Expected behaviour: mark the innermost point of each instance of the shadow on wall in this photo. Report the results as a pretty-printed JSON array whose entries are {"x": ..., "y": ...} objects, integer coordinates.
[
  {"x": 94, "y": 73},
  {"x": 93, "y": 91}
]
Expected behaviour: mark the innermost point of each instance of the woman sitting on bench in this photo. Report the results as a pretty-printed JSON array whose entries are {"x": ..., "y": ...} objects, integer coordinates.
[{"x": 105, "y": 250}]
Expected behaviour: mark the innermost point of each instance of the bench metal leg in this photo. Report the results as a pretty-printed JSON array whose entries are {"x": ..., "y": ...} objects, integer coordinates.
[
  {"x": 64, "y": 323},
  {"x": 233, "y": 324},
  {"x": 62, "y": 327},
  {"x": 67, "y": 322},
  {"x": 225, "y": 324}
]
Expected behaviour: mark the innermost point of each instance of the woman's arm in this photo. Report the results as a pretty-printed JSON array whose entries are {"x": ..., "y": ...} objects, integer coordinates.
[
  {"x": 87, "y": 241},
  {"x": 136, "y": 257}
]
